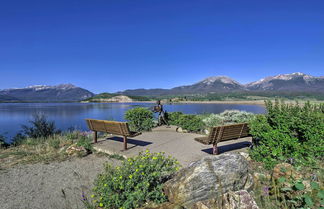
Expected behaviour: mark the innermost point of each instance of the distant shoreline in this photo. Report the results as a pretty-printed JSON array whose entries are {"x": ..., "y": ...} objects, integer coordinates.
[
  {"x": 245, "y": 102},
  {"x": 239, "y": 102}
]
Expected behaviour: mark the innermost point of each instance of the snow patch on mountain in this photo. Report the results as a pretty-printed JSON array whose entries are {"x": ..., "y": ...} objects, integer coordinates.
[{"x": 223, "y": 79}]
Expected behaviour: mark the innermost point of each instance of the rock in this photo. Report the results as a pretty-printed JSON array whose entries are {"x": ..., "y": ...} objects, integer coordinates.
[
  {"x": 165, "y": 205},
  {"x": 245, "y": 155},
  {"x": 230, "y": 200},
  {"x": 76, "y": 150},
  {"x": 209, "y": 177},
  {"x": 285, "y": 170},
  {"x": 181, "y": 130},
  {"x": 239, "y": 200},
  {"x": 207, "y": 131}
]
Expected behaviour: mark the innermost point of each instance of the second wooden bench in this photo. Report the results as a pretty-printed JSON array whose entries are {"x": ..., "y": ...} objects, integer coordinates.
[
  {"x": 112, "y": 127},
  {"x": 223, "y": 133}
]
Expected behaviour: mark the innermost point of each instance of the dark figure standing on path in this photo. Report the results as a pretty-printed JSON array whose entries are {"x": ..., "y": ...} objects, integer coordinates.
[{"x": 162, "y": 114}]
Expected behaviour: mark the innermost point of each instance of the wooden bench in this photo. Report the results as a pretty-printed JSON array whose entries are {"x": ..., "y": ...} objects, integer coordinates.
[
  {"x": 112, "y": 127},
  {"x": 224, "y": 133}
]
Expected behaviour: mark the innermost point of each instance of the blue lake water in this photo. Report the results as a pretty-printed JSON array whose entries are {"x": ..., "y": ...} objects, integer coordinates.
[{"x": 67, "y": 115}]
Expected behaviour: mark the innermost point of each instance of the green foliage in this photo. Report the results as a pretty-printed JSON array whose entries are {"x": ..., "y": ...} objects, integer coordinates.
[
  {"x": 137, "y": 181},
  {"x": 289, "y": 132},
  {"x": 140, "y": 119},
  {"x": 196, "y": 123},
  {"x": 18, "y": 139},
  {"x": 228, "y": 117},
  {"x": 173, "y": 118},
  {"x": 40, "y": 127},
  {"x": 212, "y": 120},
  {"x": 85, "y": 142},
  {"x": 3, "y": 142},
  {"x": 191, "y": 123},
  {"x": 294, "y": 193}
]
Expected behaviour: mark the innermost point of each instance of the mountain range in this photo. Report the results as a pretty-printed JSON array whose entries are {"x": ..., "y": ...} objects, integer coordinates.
[
  {"x": 43, "y": 93},
  {"x": 284, "y": 83},
  {"x": 276, "y": 85}
]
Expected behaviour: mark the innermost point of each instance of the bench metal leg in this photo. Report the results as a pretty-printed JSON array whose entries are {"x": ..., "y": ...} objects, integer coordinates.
[
  {"x": 95, "y": 137},
  {"x": 125, "y": 142},
  {"x": 215, "y": 149}
]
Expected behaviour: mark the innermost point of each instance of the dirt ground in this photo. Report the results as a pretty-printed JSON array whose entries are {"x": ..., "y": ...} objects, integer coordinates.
[{"x": 56, "y": 185}]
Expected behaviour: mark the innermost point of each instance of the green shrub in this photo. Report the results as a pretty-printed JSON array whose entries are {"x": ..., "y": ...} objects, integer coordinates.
[
  {"x": 236, "y": 116},
  {"x": 294, "y": 194},
  {"x": 228, "y": 117},
  {"x": 173, "y": 118},
  {"x": 85, "y": 142},
  {"x": 18, "y": 139},
  {"x": 40, "y": 127},
  {"x": 191, "y": 123},
  {"x": 140, "y": 119},
  {"x": 289, "y": 192},
  {"x": 137, "y": 181},
  {"x": 3, "y": 142},
  {"x": 213, "y": 120},
  {"x": 54, "y": 143},
  {"x": 289, "y": 132}
]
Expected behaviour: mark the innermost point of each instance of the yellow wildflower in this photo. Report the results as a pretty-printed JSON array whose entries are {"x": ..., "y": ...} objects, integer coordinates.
[{"x": 101, "y": 205}]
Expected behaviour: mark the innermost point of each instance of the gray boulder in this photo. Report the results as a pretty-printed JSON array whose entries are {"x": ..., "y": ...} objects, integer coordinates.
[{"x": 210, "y": 177}]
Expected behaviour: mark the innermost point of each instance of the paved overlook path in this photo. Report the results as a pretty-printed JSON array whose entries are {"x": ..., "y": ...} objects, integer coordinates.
[{"x": 182, "y": 146}]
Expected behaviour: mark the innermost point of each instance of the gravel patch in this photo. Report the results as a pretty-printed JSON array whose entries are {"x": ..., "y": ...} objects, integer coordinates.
[{"x": 55, "y": 185}]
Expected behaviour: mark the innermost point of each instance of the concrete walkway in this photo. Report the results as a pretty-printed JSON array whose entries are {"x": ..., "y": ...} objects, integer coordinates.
[{"x": 182, "y": 146}]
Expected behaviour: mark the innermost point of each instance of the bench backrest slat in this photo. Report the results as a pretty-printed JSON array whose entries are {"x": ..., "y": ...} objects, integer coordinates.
[
  {"x": 228, "y": 132},
  {"x": 112, "y": 127}
]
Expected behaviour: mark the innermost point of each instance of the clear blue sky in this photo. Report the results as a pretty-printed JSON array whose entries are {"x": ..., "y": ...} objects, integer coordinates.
[{"x": 111, "y": 45}]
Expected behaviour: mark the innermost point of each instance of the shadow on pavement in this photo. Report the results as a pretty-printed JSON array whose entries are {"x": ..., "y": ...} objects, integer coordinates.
[{"x": 228, "y": 147}]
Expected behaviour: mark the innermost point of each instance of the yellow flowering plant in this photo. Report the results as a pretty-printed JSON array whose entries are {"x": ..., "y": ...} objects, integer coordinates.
[{"x": 137, "y": 181}]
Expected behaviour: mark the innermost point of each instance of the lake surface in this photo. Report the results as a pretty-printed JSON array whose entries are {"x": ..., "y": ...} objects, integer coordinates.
[{"x": 72, "y": 115}]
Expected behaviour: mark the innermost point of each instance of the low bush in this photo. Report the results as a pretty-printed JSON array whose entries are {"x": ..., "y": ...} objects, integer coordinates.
[
  {"x": 290, "y": 192},
  {"x": 140, "y": 119},
  {"x": 291, "y": 133},
  {"x": 228, "y": 117},
  {"x": 3, "y": 142},
  {"x": 40, "y": 127},
  {"x": 236, "y": 116},
  {"x": 191, "y": 123},
  {"x": 137, "y": 181},
  {"x": 85, "y": 142},
  {"x": 196, "y": 123},
  {"x": 213, "y": 120},
  {"x": 294, "y": 194},
  {"x": 173, "y": 118}
]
